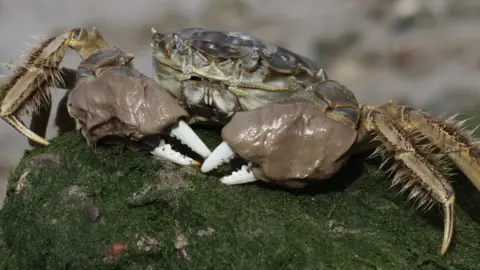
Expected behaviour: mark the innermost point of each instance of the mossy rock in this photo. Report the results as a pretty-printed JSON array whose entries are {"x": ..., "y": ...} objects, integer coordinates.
[{"x": 68, "y": 206}]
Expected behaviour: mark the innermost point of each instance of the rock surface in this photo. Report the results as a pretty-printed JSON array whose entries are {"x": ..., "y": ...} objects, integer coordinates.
[{"x": 73, "y": 207}]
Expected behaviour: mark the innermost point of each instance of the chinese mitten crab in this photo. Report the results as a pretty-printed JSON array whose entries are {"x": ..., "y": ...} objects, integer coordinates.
[{"x": 280, "y": 111}]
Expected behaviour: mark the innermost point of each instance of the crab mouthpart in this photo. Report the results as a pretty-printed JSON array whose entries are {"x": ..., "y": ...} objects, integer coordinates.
[
  {"x": 187, "y": 136},
  {"x": 242, "y": 176},
  {"x": 165, "y": 151},
  {"x": 222, "y": 154},
  {"x": 18, "y": 125}
]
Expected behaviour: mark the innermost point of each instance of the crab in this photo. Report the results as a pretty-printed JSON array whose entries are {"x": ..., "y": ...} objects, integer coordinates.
[{"x": 279, "y": 111}]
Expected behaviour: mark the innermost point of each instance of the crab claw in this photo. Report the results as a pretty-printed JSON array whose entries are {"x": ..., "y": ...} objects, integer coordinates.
[
  {"x": 222, "y": 154},
  {"x": 242, "y": 176},
  {"x": 121, "y": 101},
  {"x": 187, "y": 136},
  {"x": 165, "y": 151},
  {"x": 283, "y": 143}
]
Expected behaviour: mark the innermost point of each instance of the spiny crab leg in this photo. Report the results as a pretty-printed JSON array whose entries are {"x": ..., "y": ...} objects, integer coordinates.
[
  {"x": 187, "y": 136},
  {"x": 449, "y": 136},
  {"x": 415, "y": 165},
  {"x": 223, "y": 154},
  {"x": 18, "y": 125},
  {"x": 27, "y": 88}
]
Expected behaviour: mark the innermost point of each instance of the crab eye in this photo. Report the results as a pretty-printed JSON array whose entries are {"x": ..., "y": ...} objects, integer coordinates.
[
  {"x": 76, "y": 33},
  {"x": 170, "y": 47}
]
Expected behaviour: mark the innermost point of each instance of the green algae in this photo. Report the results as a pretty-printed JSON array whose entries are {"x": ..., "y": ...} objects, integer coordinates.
[{"x": 171, "y": 217}]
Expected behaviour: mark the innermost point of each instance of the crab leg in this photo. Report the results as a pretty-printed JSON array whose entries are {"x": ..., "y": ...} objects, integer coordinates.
[
  {"x": 451, "y": 139},
  {"x": 27, "y": 88},
  {"x": 414, "y": 166},
  {"x": 39, "y": 122},
  {"x": 63, "y": 120}
]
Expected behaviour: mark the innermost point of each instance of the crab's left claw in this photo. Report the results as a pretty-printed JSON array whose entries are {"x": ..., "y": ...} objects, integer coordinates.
[
  {"x": 283, "y": 143},
  {"x": 120, "y": 101}
]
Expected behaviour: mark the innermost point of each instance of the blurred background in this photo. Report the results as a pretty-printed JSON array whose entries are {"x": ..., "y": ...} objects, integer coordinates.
[{"x": 425, "y": 53}]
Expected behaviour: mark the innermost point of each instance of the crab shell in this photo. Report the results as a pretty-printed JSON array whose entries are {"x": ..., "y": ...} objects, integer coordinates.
[{"x": 216, "y": 73}]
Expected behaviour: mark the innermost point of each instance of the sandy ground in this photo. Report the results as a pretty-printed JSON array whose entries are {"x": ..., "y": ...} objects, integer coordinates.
[{"x": 372, "y": 46}]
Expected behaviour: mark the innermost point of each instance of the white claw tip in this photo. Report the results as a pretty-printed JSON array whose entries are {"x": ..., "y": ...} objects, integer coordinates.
[
  {"x": 187, "y": 136},
  {"x": 154, "y": 31},
  {"x": 165, "y": 151},
  {"x": 222, "y": 154},
  {"x": 242, "y": 176}
]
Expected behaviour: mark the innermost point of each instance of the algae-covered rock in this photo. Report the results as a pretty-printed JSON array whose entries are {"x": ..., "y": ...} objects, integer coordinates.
[{"x": 73, "y": 207}]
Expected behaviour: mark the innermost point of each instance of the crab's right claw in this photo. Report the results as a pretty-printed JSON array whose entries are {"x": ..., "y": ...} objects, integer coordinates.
[{"x": 283, "y": 143}]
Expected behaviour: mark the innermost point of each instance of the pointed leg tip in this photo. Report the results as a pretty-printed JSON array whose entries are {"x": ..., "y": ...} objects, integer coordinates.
[
  {"x": 20, "y": 127},
  {"x": 448, "y": 208},
  {"x": 443, "y": 251},
  {"x": 41, "y": 142}
]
